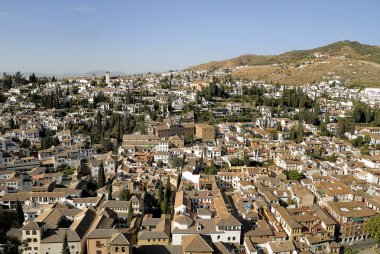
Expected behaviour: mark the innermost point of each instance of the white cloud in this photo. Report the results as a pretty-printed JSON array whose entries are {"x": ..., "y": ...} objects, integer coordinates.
[
  {"x": 83, "y": 8},
  {"x": 4, "y": 14}
]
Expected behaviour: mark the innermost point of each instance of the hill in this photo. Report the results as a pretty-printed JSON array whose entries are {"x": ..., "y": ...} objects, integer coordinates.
[{"x": 353, "y": 62}]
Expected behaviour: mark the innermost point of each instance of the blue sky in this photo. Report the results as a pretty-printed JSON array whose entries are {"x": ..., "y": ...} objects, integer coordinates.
[{"x": 74, "y": 36}]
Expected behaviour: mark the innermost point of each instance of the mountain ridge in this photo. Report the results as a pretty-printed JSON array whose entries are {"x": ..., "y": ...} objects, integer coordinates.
[{"x": 354, "y": 63}]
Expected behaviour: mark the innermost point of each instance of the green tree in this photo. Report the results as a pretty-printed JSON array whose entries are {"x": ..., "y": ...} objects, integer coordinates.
[
  {"x": 160, "y": 164},
  {"x": 18, "y": 79},
  {"x": 167, "y": 196},
  {"x": 20, "y": 213},
  {"x": 236, "y": 162},
  {"x": 348, "y": 250},
  {"x": 32, "y": 79},
  {"x": 130, "y": 215},
  {"x": 7, "y": 82},
  {"x": 296, "y": 133},
  {"x": 177, "y": 162},
  {"x": 278, "y": 126},
  {"x": 65, "y": 245},
  {"x": 293, "y": 175},
  {"x": 124, "y": 195},
  {"x": 374, "y": 228},
  {"x": 197, "y": 97},
  {"x": 12, "y": 246},
  {"x": 101, "y": 176},
  {"x": 3, "y": 98},
  {"x": 246, "y": 161},
  {"x": 109, "y": 188},
  {"x": 159, "y": 191}
]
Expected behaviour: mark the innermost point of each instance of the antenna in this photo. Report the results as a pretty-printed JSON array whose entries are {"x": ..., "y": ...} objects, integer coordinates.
[{"x": 344, "y": 36}]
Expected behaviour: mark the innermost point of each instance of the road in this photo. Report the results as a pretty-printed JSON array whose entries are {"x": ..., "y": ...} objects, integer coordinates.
[{"x": 362, "y": 245}]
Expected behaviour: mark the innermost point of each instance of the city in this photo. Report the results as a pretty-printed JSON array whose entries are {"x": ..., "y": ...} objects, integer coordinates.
[{"x": 230, "y": 156}]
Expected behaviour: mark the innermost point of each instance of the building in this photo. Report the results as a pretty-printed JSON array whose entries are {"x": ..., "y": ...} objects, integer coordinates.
[
  {"x": 352, "y": 218},
  {"x": 204, "y": 132},
  {"x": 169, "y": 130},
  {"x": 108, "y": 78},
  {"x": 155, "y": 231}
]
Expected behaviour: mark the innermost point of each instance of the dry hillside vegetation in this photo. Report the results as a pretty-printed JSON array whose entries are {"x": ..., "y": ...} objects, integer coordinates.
[{"x": 354, "y": 63}]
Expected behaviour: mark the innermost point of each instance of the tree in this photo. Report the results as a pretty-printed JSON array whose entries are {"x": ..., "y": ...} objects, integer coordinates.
[
  {"x": 348, "y": 250},
  {"x": 101, "y": 176},
  {"x": 236, "y": 162},
  {"x": 74, "y": 90},
  {"x": 374, "y": 228},
  {"x": 167, "y": 197},
  {"x": 160, "y": 164},
  {"x": 130, "y": 215},
  {"x": 178, "y": 162},
  {"x": 20, "y": 213},
  {"x": 18, "y": 79},
  {"x": 246, "y": 161},
  {"x": 3, "y": 98},
  {"x": 344, "y": 126},
  {"x": 12, "y": 246},
  {"x": 159, "y": 191},
  {"x": 278, "y": 126},
  {"x": 7, "y": 82},
  {"x": 32, "y": 79},
  {"x": 296, "y": 133},
  {"x": 109, "y": 188},
  {"x": 65, "y": 245},
  {"x": 124, "y": 195},
  {"x": 197, "y": 97},
  {"x": 293, "y": 175}
]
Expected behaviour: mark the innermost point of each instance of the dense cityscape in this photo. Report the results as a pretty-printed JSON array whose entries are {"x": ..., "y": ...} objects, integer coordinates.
[
  {"x": 187, "y": 161},
  {"x": 189, "y": 127}
]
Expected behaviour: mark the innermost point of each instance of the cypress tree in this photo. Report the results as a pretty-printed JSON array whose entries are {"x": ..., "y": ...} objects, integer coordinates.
[
  {"x": 110, "y": 190},
  {"x": 167, "y": 195},
  {"x": 101, "y": 176},
  {"x": 20, "y": 213},
  {"x": 130, "y": 215},
  {"x": 124, "y": 194},
  {"x": 65, "y": 245},
  {"x": 159, "y": 196}
]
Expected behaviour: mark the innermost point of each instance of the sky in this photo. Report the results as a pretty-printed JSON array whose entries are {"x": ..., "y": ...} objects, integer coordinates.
[{"x": 75, "y": 36}]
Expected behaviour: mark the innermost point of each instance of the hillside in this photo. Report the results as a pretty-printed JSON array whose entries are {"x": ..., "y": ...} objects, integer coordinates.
[{"x": 354, "y": 63}]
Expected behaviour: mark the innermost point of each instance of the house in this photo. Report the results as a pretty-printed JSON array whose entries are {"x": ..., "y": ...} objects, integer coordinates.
[
  {"x": 352, "y": 218},
  {"x": 155, "y": 231},
  {"x": 204, "y": 131},
  {"x": 284, "y": 247},
  {"x": 104, "y": 241},
  {"x": 196, "y": 244}
]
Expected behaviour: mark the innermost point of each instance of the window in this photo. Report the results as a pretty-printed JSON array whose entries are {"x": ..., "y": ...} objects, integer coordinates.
[
  {"x": 34, "y": 232},
  {"x": 229, "y": 238},
  {"x": 28, "y": 232},
  {"x": 34, "y": 239},
  {"x": 233, "y": 238},
  {"x": 116, "y": 249},
  {"x": 98, "y": 252},
  {"x": 123, "y": 249},
  {"x": 218, "y": 237}
]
